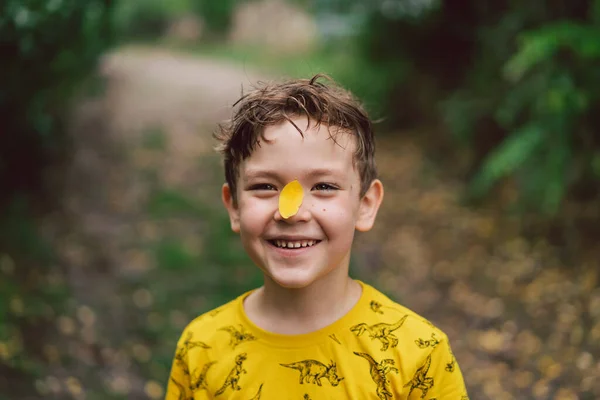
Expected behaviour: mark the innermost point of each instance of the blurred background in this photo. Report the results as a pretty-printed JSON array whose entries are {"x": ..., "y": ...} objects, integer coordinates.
[{"x": 113, "y": 237}]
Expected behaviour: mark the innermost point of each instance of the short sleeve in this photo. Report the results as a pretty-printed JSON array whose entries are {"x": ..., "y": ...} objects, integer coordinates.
[
  {"x": 438, "y": 377},
  {"x": 179, "y": 386}
]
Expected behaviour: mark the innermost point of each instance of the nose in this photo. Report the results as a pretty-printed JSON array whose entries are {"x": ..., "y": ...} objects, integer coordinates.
[{"x": 303, "y": 215}]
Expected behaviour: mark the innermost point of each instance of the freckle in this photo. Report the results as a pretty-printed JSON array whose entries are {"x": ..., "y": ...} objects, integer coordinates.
[{"x": 324, "y": 210}]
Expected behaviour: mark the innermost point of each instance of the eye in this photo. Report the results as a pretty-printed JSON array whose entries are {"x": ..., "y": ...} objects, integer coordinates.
[
  {"x": 262, "y": 186},
  {"x": 324, "y": 187}
]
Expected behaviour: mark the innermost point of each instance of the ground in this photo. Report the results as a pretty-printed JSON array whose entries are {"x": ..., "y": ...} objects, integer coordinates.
[{"x": 142, "y": 201}]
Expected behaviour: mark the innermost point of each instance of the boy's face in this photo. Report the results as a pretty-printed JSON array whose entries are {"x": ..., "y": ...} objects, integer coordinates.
[{"x": 329, "y": 214}]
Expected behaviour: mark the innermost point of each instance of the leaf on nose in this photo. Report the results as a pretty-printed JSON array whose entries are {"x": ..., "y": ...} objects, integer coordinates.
[{"x": 290, "y": 199}]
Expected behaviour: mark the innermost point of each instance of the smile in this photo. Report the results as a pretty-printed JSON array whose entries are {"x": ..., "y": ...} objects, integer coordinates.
[{"x": 293, "y": 244}]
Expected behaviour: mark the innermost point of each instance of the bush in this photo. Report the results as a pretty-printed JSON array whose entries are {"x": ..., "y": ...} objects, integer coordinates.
[
  {"x": 554, "y": 85},
  {"x": 148, "y": 19},
  {"x": 216, "y": 15},
  {"x": 518, "y": 82},
  {"x": 48, "y": 49}
]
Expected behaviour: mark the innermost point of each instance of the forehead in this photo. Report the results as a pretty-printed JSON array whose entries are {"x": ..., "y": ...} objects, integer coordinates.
[{"x": 321, "y": 147}]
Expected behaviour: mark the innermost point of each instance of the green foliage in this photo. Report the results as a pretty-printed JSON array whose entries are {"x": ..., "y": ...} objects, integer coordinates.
[
  {"x": 519, "y": 83},
  {"x": 216, "y": 14},
  {"x": 148, "y": 19},
  {"x": 170, "y": 254},
  {"x": 48, "y": 49},
  {"x": 548, "y": 123},
  {"x": 163, "y": 203}
]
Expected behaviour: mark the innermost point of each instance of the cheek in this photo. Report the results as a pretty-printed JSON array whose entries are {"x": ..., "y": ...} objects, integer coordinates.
[
  {"x": 337, "y": 218},
  {"x": 255, "y": 214}
]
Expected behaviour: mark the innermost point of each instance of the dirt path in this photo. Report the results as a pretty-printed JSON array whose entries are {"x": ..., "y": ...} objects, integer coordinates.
[
  {"x": 148, "y": 141},
  {"x": 144, "y": 144}
]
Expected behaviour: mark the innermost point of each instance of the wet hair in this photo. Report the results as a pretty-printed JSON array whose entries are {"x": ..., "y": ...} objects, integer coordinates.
[{"x": 273, "y": 103}]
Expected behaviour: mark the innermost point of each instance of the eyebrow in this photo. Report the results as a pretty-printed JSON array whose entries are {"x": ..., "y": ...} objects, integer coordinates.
[{"x": 258, "y": 173}]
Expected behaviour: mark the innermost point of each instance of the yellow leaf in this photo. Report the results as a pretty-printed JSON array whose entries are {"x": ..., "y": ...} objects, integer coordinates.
[{"x": 290, "y": 199}]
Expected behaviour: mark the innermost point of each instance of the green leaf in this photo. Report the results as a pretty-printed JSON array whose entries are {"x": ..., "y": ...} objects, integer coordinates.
[
  {"x": 507, "y": 158},
  {"x": 540, "y": 45}
]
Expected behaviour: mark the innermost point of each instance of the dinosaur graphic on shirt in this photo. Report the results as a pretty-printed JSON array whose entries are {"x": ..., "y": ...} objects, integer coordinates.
[
  {"x": 379, "y": 372},
  {"x": 182, "y": 393},
  {"x": 423, "y": 344},
  {"x": 258, "y": 394},
  {"x": 381, "y": 331},
  {"x": 334, "y": 338},
  {"x": 187, "y": 345},
  {"x": 234, "y": 376},
  {"x": 376, "y": 307},
  {"x": 315, "y": 370},
  {"x": 183, "y": 350},
  {"x": 237, "y": 336},
  {"x": 199, "y": 382},
  {"x": 450, "y": 365},
  {"x": 420, "y": 380}
]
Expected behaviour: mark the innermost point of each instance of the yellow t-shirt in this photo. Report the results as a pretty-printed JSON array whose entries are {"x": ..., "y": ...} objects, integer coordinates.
[{"x": 378, "y": 350}]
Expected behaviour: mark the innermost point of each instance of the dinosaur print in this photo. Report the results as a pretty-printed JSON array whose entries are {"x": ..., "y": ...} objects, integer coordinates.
[
  {"x": 381, "y": 331},
  {"x": 421, "y": 381},
  {"x": 199, "y": 382},
  {"x": 376, "y": 307},
  {"x": 423, "y": 344},
  {"x": 257, "y": 395},
  {"x": 234, "y": 376},
  {"x": 334, "y": 338},
  {"x": 237, "y": 336},
  {"x": 182, "y": 394},
  {"x": 187, "y": 345},
  {"x": 452, "y": 363},
  {"x": 182, "y": 351},
  {"x": 306, "y": 396},
  {"x": 316, "y": 370},
  {"x": 379, "y": 372}
]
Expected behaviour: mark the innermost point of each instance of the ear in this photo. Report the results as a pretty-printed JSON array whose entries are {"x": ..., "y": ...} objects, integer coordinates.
[
  {"x": 369, "y": 205},
  {"x": 232, "y": 209}
]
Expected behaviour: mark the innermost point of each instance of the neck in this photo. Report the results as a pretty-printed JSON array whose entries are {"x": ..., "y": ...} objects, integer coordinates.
[{"x": 296, "y": 311}]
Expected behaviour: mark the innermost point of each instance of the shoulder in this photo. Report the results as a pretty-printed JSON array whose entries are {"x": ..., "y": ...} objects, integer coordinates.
[
  {"x": 207, "y": 323},
  {"x": 383, "y": 308}
]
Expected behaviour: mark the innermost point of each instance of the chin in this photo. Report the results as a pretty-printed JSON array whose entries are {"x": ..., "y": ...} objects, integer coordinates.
[{"x": 292, "y": 281}]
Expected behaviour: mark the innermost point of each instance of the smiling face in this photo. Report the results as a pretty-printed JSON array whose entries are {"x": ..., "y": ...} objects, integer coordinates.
[{"x": 299, "y": 250}]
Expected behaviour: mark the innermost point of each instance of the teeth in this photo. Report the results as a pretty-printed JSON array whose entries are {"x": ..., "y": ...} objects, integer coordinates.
[{"x": 294, "y": 245}]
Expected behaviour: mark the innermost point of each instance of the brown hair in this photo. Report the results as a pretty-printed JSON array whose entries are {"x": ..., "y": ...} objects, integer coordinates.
[{"x": 273, "y": 103}]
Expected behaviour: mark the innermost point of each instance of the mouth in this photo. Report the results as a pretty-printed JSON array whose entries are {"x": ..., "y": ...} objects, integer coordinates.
[{"x": 293, "y": 244}]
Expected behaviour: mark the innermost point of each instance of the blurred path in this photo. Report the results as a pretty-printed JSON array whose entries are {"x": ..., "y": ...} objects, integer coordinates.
[
  {"x": 158, "y": 87},
  {"x": 487, "y": 287},
  {"x": 150, "y": 133}
]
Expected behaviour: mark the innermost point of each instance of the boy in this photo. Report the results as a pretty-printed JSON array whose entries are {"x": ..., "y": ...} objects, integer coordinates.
[{"x": 301, "y": 178}]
